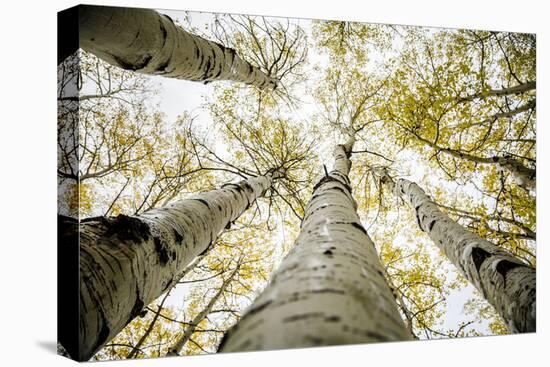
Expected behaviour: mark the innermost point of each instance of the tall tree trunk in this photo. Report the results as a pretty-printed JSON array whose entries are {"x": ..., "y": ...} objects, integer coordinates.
[
  {"x": 503, "y": 280},
  {"x": 520, "y": 88},
  {"x": 190, "y": 329},
  {"x": 523, "y": 108},
  {"x": 523, "y": 176},
  {"x": 150, "y": 43},
  {"x": 331, "y": 288},
  {"x": 126, "y": 262},
  {"x": 528, "y": 232}
]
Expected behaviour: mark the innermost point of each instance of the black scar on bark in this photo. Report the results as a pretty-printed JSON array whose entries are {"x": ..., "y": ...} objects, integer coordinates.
[
  {"x": 328, "y": 253},
  {"x": 162, "y": 68},
  {"x": 319, "y": 208},
  {"x": 197, "y": 51},
  {"x": 178, "y": 237},
  {"x": 247, "y": 186},
  {"x": 329, "y": 178},
  {"x": 334, "y": 318},
  {"x": 228, "y": 185},
  {"x": 479, "y": 255},
  {"x": 328, "y": 290},
  {"x": 134, "y": 40},
  {"x": 132, "y": 66},
  {"x": 199, "y": 55},
  {"x": 224, "y": 338},
  {"x": 418, "y": 220},
  {"x": 303, "y": 316},
  {"x": 228, "y": 225},
  {"x": 218, "y": 73},
  {"x": 161, "y": 251},
  {"x": 206, "y": 249},
  {"x": 359, "y": 227},
  {"x": 103, "y": 333},
  {"x": 339, "y": 189},
  {"x": 128, "y": 228},
  {"x": 167, "y": 16},
  {"x": 504, "y": 266},
  {"x": 136, "y": 309},
  {"x": 163, "y": 31},
  {"x": 254, "y": 310},
  {"x": 348, "y": 153},
  {"x": 431, "y": 225},
  {"x": 204, "y": 202},
  {"x": 206, "y": 68}
]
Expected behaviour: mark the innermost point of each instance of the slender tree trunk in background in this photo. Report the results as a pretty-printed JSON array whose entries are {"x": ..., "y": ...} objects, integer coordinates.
[
  {"x": 133, "y": 353},
  {"x": 331, "y": 288},
  {"x": 520, "y": 88},
  {"x": 523, "y": 176},
  {"x": 503, "y": 280},
  {"x": 190, "y": 329},
  {"x": 126, "y": 262},
  {"x": 526, "y": 107},
  {"x": 528, "y": 232},
  {"x": 136, "y": 349},
  {"x": 145, "y": 41}
]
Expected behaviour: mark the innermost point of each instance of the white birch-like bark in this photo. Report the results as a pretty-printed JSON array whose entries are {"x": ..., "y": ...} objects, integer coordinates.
[
  {"x": 330, "y": 289},
  {"x": 504, "y": 281},
  {"x": 520, "y": 88},
  {"x": 523, "y": 176},
  {"x": 147, "y": 42},
  {"x": 126, "y": 262},
  {"x": 190, "y": 329}
]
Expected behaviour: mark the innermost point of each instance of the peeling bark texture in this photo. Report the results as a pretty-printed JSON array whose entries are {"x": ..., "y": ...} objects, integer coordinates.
[
  {"x": 145, "y": 41},
  {"x": 126, "y": 262},
  {"x": 330, "y": 289},
  {"x": 503, "y": 280},
  {"x": 190, "y": 329}
]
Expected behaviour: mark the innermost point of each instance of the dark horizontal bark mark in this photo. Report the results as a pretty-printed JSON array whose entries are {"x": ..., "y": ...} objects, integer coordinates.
[
  {"x": 203, "y": 202},
  {"x": 132, "y": 66},
  {"x": 329, "y": 178},
  {"x": 304, "y": 316}
]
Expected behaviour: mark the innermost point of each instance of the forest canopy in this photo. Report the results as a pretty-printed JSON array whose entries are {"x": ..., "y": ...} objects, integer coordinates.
[{"x": 323, "y": 164}]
